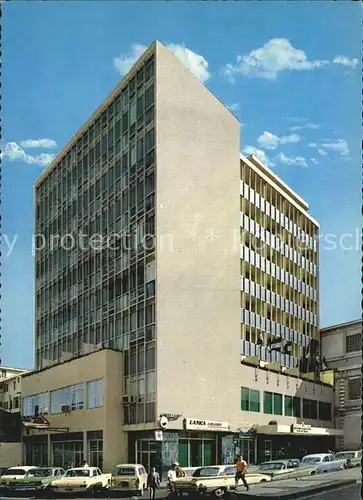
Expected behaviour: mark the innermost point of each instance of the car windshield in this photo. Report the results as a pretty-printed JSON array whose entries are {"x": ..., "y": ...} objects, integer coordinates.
[
  {"x": 14, "y": 472},
  {"x": 77, "y": 473},
  {"x": 39, "y": 473},
  {"x": 206, "y": 472},
  {"x": 311, "y": 460},
  {"x": 345, "y": 455},
  {"x": 271, "y": 466},
  {"x": 125, "y": 471}
]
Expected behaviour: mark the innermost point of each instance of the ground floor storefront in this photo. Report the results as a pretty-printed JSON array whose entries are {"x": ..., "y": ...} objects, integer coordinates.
[
  {"x": 190, "y": 449},
  {"x": 64, "y": 450}
]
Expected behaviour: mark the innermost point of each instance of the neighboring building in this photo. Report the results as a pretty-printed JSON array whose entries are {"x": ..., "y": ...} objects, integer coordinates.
[
  {"x": 341, "y": 346},
  {"x": 10, "y": 416},
  {"x": 217, "y": 326},
  {"x": 81, "y": 401}
]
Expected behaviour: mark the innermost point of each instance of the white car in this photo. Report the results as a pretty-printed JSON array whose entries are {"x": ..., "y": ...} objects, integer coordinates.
[
  {"x": 88, "y": 480},
  {"x": 14, "y": 473},
  {"x": 354, "y": 457},
  {"x": 324, "y": 462}
]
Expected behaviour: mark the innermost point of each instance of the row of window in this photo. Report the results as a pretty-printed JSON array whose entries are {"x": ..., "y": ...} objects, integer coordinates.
[
  {"x": 271, "y": 211},
  {"x": 72, "y": 396},
  {"x": 124, "y": 100},
  {"x": 280, "y": 404},
  {"x": 255, "y": 259},
  {"x": 269, "y": 297},
  {"x": 267, "y": 238}
]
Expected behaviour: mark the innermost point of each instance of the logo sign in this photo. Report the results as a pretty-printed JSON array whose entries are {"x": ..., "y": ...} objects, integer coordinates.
[
  {"x": 206, "y": 425},
  {"x": 171, "y": 416},
  {"x": 300, "y": 428},
  {"x": 158, "y": 435}
]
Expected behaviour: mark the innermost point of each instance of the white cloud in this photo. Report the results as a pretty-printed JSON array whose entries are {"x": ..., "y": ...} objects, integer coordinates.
[
  {"x": 340, "y": 146},
  {"x": 271, "y": 141},
  {"x": 13, "y": 152},
  {"x": 234, "y": 107},
  {"x": 39, "y": 143},
  {"x": 292, "y": 160},
  {"x": 125, "y": 62},
  {"x": 345, "y": 61},
  {"x": 261, "y": 155},
  {"x": 269, "y": 60},
  {"x": 307, "y": 125},
  {"x": 315, "y": 161},
  {"x": 322, "y": 152},
  {"x": 193, "y": 61}
]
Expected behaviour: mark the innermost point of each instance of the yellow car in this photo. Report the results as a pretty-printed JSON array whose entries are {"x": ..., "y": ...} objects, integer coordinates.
[{"x": 130, "y": 478}]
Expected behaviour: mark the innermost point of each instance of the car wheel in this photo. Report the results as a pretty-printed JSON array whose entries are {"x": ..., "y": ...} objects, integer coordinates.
[
  {"x": 324, "y": 471},
  {"x": 263, "y": 481},
  {"x": 312, "y": 473},
  {"x": 219, "y": 493}
]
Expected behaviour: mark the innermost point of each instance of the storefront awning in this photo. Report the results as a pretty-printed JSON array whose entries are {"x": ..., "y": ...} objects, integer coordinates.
[{"x": 298, "y": 430}]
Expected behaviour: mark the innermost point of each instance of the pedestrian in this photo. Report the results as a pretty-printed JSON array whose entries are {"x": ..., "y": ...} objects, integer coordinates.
[
  {"x": 179, "y": 471},
  {"x": 84, "y": 464},
  {"x": 153, "y": 482},
  {"x": 241, "y": 472},
  {"x": 172, "y": 478}
]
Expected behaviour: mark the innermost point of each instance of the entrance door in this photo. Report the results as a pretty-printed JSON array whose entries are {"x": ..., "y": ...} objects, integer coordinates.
[
  {"x": 268, "y": 451},
  {"x": 148, "y": 459},
  {"x": 196, "y": 453},
  {"x": 248, "y": 450}
]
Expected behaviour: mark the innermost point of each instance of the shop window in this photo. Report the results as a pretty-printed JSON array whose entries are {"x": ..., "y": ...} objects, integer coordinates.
[
  {"x": 325, "y": 411},
  {"x": 292, "y": 406},
  {"x": 250, "y": 400},
  {"x": 310, "y": 409},
  {"x": 272, "y": 403}
]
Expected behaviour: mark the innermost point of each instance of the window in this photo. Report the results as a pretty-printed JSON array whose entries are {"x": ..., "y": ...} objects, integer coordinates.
[
  {"x": 150, "y": 140},
  {"x": 272, "y": 403},
  {"x": 149, "y": 97},
  {"x": 353, "y": 343},
  {"x": 324, "y": 411},
  {"x": 71, "y": 395},
  {"x": 41, "y": 401},
  {"x": 355, "y": 388},
  {"x": 95, "y": 393},
  {"x": 292, "y": 406},
  {"x": 310, "y": 409},
  {"x": 250, "y": 399}
]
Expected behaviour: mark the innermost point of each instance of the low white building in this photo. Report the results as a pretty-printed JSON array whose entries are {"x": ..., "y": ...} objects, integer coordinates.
[
  {"x": 11, "y": 448},
  {"x": 341, "y": 346}
]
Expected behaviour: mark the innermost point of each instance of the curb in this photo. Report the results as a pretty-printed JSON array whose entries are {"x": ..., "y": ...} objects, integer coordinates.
[{"x": 303, "y": 493}]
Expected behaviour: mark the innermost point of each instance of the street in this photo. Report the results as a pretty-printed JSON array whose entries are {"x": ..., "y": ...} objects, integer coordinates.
[{"x": 346, "y": 493}]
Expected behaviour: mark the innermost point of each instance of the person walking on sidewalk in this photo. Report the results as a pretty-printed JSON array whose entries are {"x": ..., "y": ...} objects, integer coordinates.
[
  {"x": 153, "y": 482},
  {"x": 172, "y": 478},
  {"x": 241, "y": 472}
]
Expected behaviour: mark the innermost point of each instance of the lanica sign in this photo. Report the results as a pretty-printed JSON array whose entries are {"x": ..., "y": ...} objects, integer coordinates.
[{"x": 194, "y": 424}]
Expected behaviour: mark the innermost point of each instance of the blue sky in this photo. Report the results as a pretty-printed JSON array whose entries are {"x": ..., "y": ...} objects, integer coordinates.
[{"x": 288, "y": 70}]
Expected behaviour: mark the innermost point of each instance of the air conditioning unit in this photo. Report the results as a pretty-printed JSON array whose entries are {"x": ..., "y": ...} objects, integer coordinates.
[
  {"x": 66, "y": 408},
  {"x": 125, "y": 399},
  {"x": 132, "y": 399}
]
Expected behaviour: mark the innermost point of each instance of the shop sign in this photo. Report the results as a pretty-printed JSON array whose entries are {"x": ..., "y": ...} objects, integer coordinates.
[
  {"x": 300, "y": 429},
  {"x": 247, "y": 433},
  {"x": 170, "y": 436},
  {"x": 159, "y": 435},
  {"x": 205, "y": 425}
]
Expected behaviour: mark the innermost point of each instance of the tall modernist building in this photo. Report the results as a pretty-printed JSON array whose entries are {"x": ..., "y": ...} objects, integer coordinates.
[{"x": 209, "y": 298}]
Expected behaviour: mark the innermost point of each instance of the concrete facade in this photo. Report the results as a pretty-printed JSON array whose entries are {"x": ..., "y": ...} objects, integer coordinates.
[
  {"x": 341, "y": 347},
  {"x": 10, "y": 388},
  {"x": 104, "y": 365}
]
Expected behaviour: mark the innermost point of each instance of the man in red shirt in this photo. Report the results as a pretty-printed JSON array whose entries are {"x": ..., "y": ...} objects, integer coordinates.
[{"x": 241, "y": 472}]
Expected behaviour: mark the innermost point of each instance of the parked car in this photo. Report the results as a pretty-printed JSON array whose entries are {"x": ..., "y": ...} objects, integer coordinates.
[
  {"x": 14, "y": 473},
  {"x": 87, "y": 480},
  {"x": 324, "y": 462},
  {"x": 37, "y": 479},
  {"x": 286, "y": 469},
  {"x": 354, "y": 457},
  {"x": 130, "y": 478},
  {"x": 215, "y": 480}
]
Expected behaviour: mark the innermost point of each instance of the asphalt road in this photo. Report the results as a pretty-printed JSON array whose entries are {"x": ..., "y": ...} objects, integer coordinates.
[{"x": 347, "y": 493}]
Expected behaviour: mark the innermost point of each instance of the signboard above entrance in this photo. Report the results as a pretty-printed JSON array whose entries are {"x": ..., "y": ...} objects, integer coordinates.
[
  {"x": 301, "y": 429},
  {"x": 194, "y": 424}
]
